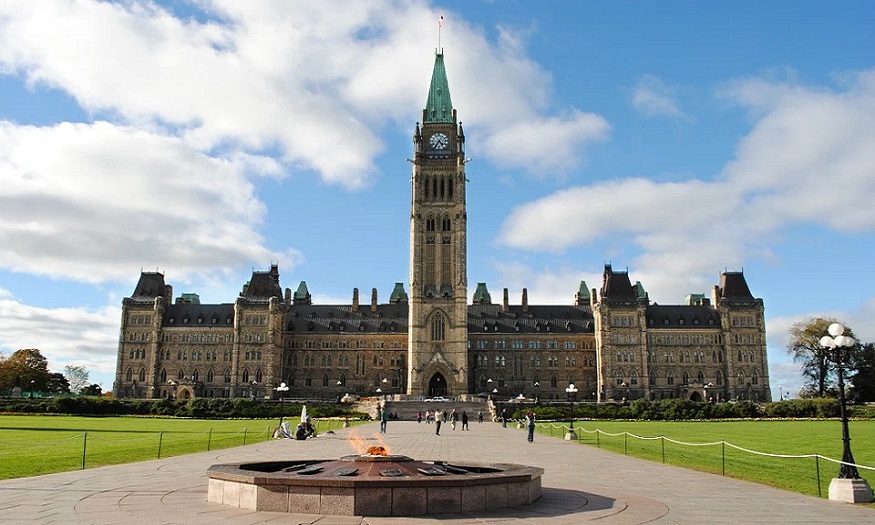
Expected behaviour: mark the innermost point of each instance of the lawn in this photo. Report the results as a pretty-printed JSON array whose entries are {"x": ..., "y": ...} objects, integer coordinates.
[
  {"x": 777, "y": 438},
  {"x": 33, "y": 445}
]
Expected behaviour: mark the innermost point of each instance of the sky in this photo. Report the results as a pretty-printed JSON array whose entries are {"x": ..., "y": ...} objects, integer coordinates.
[{"x": 206, "y": 139}]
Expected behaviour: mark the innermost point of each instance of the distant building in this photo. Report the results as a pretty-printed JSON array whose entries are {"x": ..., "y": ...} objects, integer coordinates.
[{"x": 610, "y": 343}]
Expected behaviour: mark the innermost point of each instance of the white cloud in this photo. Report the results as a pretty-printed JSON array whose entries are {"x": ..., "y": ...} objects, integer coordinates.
[
  {"x": 654, "y": 98},
  {"x": 806, "y": 160},
  {"x": 64, "y": 336},
  {"x": 94, "y": 201},
  {"x": 316, "y": 80}
]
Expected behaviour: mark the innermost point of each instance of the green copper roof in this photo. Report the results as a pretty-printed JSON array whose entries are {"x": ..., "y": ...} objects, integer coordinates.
[
  {"x": 439, "y": 107},
  {"x": 639, "y": 289},
  {"x": 481, "y": 295},
  {"x": 303, "y": 292},
  {"x": 583, "y": 292},
  {"x": 398, "y": 294}
]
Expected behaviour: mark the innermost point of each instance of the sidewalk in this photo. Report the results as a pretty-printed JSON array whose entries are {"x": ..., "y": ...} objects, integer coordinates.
[{"x": 581, "y": 484}]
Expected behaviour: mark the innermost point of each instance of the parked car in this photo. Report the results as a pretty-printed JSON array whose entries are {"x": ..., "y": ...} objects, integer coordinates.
[{"x": 437, "y": 399}]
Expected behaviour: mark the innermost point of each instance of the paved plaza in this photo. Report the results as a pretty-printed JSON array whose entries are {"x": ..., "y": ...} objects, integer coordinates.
[{"x": 581, "y": 484}]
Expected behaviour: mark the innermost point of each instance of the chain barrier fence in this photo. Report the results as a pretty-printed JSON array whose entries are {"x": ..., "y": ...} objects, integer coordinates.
[
  {"x": 81, "y": 450},
  {"x": 801, "y": 472}
]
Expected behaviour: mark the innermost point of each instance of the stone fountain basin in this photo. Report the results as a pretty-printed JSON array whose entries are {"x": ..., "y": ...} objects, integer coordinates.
[{"x": 277, "y": 487}]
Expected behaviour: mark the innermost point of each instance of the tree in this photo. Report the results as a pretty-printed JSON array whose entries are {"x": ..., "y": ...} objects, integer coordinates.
[
  {"x": 58, "y": 384},
  {"x": 91, "y": 390},
  {"x": 77, "y": 376},
  {"x": 25, "y": 368},
  {"x": 863, "y": 380},
  {"x": 805, "y": 348}
]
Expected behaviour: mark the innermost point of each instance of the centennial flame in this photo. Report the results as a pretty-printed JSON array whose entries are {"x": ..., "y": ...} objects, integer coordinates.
[
  {"x": 360, "y": 443},
  {"x": 377, "y": 451}
]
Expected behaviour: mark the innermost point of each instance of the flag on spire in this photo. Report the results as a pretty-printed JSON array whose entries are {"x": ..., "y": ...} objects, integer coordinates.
[{"x": 441, "y": 21}]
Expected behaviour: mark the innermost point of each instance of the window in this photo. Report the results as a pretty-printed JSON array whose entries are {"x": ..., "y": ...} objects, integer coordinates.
[
  {"x": 245, "y": 375},
  {"x": 438, "y": 327}
]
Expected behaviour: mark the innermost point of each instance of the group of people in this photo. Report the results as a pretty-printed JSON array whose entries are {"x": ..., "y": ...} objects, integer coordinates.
[{"x": 304, "y": 430}]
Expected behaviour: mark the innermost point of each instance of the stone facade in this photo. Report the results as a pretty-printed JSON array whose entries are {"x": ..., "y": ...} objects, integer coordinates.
[{"x": 610, "y": 343}]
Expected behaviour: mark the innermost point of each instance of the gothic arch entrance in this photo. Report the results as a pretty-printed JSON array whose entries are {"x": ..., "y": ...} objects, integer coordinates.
[
  {"x": 437, "y": 385},
  {"x": 695, "y": 396}
]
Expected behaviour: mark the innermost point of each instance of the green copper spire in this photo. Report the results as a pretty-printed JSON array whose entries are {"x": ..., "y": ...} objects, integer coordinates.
[{"x": 439, "y": 107}]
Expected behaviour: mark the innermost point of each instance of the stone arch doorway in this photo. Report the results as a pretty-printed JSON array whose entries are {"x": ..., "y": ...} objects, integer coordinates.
[
  {"x": 695, "y": 396},
  {"x": 184, "y": 393},
  {"x": 437, "y": 385}
]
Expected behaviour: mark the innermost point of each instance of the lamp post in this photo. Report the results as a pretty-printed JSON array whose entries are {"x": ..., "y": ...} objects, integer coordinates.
[
  {"x": 281, "y": 390},
  {"x": 32, "y": 382},
  {"x": 848, "y": 486},
  {"x": 172, "y": 384},
  {"x": 537, "y": 385},
  {"x": 707, "y": 387},
  {"x": 571, "y": 392},
  {"x": 252, "y": 390},
  {"x": 624, "y": 386}
]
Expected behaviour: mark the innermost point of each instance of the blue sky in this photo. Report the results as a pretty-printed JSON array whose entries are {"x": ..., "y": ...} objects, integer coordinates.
[{"x": 206, "y": 139}]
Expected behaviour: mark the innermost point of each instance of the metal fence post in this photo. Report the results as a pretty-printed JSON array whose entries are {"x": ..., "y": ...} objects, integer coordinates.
[
  {"x": 817, "y": 470},
  {"x": 244, "y": 435},
  {"x": 160, "y": 439},
  {"x": 662, "y": 438},
  {"x": 209, "y": 439},
  {"x": 84, "y": 448},
  {"x": 723, "y": 455}
]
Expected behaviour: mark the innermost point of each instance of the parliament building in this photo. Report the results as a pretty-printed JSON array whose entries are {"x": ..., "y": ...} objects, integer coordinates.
[{"x": 609, "y": 343}]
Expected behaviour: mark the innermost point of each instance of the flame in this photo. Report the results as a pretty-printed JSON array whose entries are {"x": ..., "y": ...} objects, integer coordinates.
[
  {"x": 361, "y": 446},
  {"x": 377, "y": 451}
]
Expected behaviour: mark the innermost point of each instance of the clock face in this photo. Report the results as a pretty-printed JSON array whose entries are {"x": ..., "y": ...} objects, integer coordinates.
[{"x": 438, "y": 141}]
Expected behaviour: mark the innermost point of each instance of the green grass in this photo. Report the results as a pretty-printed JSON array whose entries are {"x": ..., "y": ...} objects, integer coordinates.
[
  {"x": 34, "y": 445},
  {"x": 791, "y": 437}
]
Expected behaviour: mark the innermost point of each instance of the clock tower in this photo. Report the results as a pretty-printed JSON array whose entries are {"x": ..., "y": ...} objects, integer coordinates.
[{"x": 438, "y": 323}]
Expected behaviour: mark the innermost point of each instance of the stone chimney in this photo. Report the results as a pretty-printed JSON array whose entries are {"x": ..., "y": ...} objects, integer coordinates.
[
  {"x": 504, "y": 301},
  {"x": 355, "y": 299},
  {"x": 525, "y": 300},
  {"x": 373, "y": 299}
]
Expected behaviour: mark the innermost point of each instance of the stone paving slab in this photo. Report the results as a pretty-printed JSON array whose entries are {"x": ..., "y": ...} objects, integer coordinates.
[{"x": 581, "y": 484}]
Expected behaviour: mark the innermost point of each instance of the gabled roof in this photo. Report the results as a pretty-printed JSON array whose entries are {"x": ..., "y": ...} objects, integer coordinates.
[
  {"x": 682, "y": 316},
  {"x": 438, "y": 107},
  {"x": 190, "y": 315},
  {"x": 533, "y": 319},
  {"x": 388, "y": 318}
]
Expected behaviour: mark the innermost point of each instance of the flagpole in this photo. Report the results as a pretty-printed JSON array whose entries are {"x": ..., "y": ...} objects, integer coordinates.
[{"x": 440, "y": 24}]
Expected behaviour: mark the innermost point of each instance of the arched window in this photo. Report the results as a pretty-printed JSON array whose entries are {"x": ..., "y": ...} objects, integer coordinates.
[
  {"x": 651, "y": 379},
  {"x": 701, "y": 377},
  {"x": 227, "y": 376},
  {"x": 438, "y": 327},
  {"x": 142, "y": 375},
  {"x": 619, "y": 379},
  {"x": 445, "y": 223},
  {"x": 324, "y": 379},
  {"x": 686, "y": 377},
  {"x": 553, "y": 382},
  {"x": 180, "y": 375},
  {"x": 719, "y": 377},
  {"x": 633, "y": 378},
  {"x": 429, "y": 224},
  {"x": 669, "y": 379},
  {"x": 755, "y": 378},
  {"x": 195, "y": 375},
  {"x": 258, "y": 375},
  {"x": 245, "y": 375},
  {"x": 740, "y": 377},
  {"x": 129, "y": 376},
  {"x": 210, "y": 375},
  {"x": 342, "y": 380},
  {"x": 163, "y": 375}
]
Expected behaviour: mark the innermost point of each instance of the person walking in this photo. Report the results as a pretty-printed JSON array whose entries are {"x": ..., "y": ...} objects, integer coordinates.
[
  {"x": 438, "y": 415},
  {"x": 465, "y": 420},
  {"x": 428, "y": 416},
  {"x": 530, "y": 424},
  {"x": 504, "y": 417},
  {"x": 384, "y": 418},
  {"x": 480, "y": 415},
  {"x": 454, "y": 416},
  {"x": 419, "y": 417}
]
